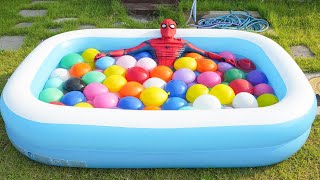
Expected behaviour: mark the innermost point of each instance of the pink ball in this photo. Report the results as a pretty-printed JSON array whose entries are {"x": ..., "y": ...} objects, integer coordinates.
[
  {"x": 126, "y": 61},
  {"x": 107, "y": 100},
  {"x": 262, "y": 88},
  {"x": 209, "y": 79},
  {"x": 94, "y": 89},
  {"x": 228, "y": 55}
]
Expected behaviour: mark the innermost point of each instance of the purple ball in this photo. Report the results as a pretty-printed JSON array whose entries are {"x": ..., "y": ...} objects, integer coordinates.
[
  {"x": 257, "y": 77},
  {"x": 223, "y": 66},
  {"x": 191, "y": 84},
  {"x": 228, "y": 55},
  {"x": 262, "y": 89},
  {"x": 185, "y": 75}
]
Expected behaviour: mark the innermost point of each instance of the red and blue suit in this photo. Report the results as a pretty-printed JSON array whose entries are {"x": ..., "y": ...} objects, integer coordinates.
[{"x": 167, "y": 49}]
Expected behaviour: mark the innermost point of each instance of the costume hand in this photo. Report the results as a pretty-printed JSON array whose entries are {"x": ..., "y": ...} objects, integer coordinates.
[{"x": 98, "y": 56}]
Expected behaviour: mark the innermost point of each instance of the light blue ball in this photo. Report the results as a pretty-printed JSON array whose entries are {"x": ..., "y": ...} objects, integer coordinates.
[
  {"x": 186, "y": 108},
  {"x": 54, "y": 83},
  {"x": 105, "y": 62}
]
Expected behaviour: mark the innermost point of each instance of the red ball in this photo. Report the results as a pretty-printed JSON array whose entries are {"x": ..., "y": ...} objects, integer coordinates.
[
  {"x": 220, "y": 74},
  {"x": 57, "y": 103},
  {"x": 137, "y": 74},
  {"x": 241, "y": 85}
]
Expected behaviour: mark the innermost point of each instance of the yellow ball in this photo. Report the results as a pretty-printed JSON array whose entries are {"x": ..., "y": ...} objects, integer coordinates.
[
  {"x": 185, "y": 62},
  {"x": 196, "y": 91},
  {"x": 224, "y": 93},
  {"x": 114, "y": 82},
  {"x": 153, "y": 96},
  {"x": 83, "y": 105},
  {"x": 114, "y": 70},
  {"x": 89, "y": 54}
]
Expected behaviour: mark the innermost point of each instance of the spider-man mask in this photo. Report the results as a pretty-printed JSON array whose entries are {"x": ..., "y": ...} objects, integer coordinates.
[{"x": 168, "y": 28}]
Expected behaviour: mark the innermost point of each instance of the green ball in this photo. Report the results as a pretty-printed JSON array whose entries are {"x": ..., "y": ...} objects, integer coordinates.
[
  {"x": 69, "y": 60},
  {"x": 267, "y": 100},
  {"x": 233, "y": 74},
  {"x": 93, "y": 76},
  {"x": 54, "y": 83},
  {"x": 50, "y": 94},
  {"x": 226, "y": 83}
]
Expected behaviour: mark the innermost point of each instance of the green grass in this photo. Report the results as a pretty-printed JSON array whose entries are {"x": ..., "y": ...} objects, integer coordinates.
[{"x": 293, "y": 23}]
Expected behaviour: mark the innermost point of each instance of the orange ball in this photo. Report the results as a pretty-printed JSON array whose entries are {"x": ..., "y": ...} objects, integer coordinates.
[
  {"x": 162, "y": 72},
  {"x": 132, "y": 88},
  {"x": 206, "y": 65},
  {"x": 196, "y": 56},
  {"x": 79, "y": 69},
  {"x": 151, "y": 108}
]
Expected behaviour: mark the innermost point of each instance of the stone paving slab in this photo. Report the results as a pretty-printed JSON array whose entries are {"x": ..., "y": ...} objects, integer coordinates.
[
  {"x": 87, "y": 26},
  {"x": 301, "y": 51},
  {"x": 64, "y": 19},
  {"x": 24, "y": 25},
  {"x": 41, "y": 2},
  {"x": 11, "y": 42},
  {"x": 33, "y": 13}
]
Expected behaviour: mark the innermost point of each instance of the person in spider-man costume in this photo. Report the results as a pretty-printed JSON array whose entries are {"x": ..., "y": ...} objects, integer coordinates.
[{"x": 167, "y": 49}]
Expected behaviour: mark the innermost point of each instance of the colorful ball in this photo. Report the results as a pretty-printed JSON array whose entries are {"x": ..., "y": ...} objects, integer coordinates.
[
  {"x": 126, "y": 62},
  {"x": 262, "y": 88},
  {"x": 61, "y": 73},
  {"x": 106, "y": 100},
  {"x": 74, "y": 84},
  {"x": 50, "y": 94},
  {"x": 54, "y": 83},
  {"x": 206, "y": 65},
  {"x": 228, "y": 55},
  {"x": 154, "y": 82},
  {"x": 185, "y": 62},
  {"x": 79, "y": 69},
  {"x": 132, "y": 88},
  {"x": 246, "y": 65},
  {"x": 186, "y": 108},
  {"x": 196, "y": 56},
  {"x": 71, "y": 59},
  {"x": 105, "y": 62},
  {"x": 185, "y": 75},
  {"x": 57, "y": 103},
  {"x": 84, "y": 105},
  {"x": 89, "y": 55},
  {"x": 137, "y": 74},
  {"x": 223, "y": 66},
  {"x": 174, "y": 103},
  {"x": 114, "y": 82},
  {"x": 93, "y": 76},
  {"x": 153, "y": 96},
  {"x": 143, "y": 54},
  {"x": 72, "y": 98},
  {"x": 241, "y": 85},
  {"x": 267, "y": 100},
  {"x": 233, "y": 74},
  {"x": 176, "y": 88},
  {"x": 152, "y": 108},
  {"x": 224, "y": 93},
  {"x": 114, "y": 70},
  {"x": 130, "y": 102},
  {"x": 209, "y": 79},
  {"x": 206, "y": 101},
  {"x": 94, "y": 89},
  {"x": 191, "y": 84},
  {"x": 257, "y": 77},
  {"x": 162, "y": 72},
  {"x": 195, "y": 91},
  {"x": 147, "y": 63},
  {"x": 244, "y": 100}
]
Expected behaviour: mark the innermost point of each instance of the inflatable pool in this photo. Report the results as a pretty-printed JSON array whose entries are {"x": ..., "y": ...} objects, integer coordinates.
[{"x": 114, "y": 138}]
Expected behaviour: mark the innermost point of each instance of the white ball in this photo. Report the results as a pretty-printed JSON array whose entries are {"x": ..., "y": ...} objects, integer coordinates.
[
  {"x": 244, "y": 100},
  {"x": 154, "y": 82},
  {"x": 126, "y": 61},
  {"x": 207, "y": 101},
  {"x": 60, "y": 73},
  {"x": 146, "y": 63}
]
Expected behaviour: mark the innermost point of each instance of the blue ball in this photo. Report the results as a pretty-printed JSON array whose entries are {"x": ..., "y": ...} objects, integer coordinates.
[
  {"x": 174, "y": 103},
  {"x": 142, "y": 55},
  {"x": 54, "y": 83},
  {"x": 257, "y": 77},
  {"x": 176, "y": 88},
  {"x": 72, "y": 98},
  {"x": 130, "y": 102},
  {"x": 105, "y": 62}
]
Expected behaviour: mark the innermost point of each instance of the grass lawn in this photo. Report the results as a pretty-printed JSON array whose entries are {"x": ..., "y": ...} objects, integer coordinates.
[{"x": 293, "y": 23}]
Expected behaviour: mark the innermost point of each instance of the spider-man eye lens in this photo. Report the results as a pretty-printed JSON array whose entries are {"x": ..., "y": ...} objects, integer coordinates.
[
  {"x": 172, "y": 26},
  {"x": 163, "y": 25}
]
